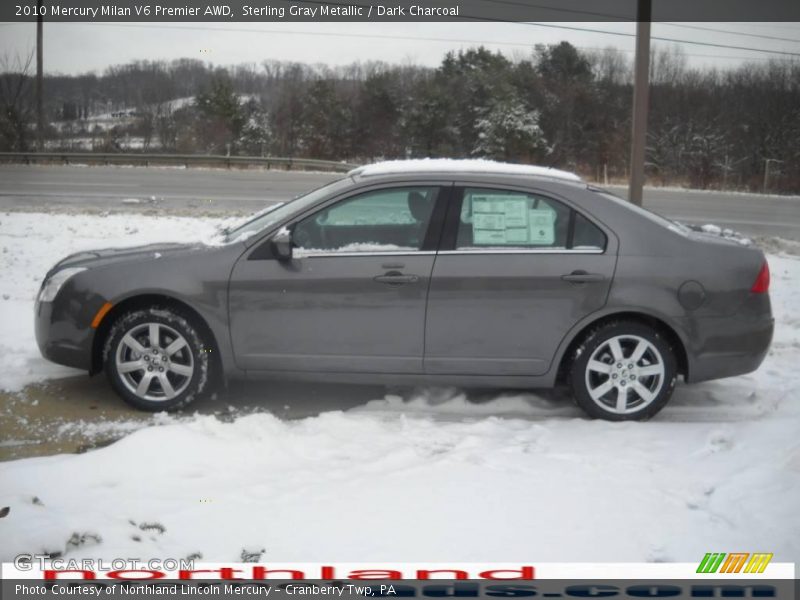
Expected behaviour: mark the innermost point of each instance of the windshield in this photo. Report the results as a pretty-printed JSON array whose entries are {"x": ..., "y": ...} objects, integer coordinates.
[
  {"x": 647, "y": 214},
  {"x": 272, "y": 215}
]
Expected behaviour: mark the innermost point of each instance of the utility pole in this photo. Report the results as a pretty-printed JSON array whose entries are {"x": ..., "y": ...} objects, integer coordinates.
[
  {"x": 39, "y": 77},
  {"x": 641, "y": 85}
]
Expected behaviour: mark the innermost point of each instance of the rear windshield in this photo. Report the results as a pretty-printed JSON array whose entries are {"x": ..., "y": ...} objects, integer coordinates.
[{"x": 647, "y": 214}]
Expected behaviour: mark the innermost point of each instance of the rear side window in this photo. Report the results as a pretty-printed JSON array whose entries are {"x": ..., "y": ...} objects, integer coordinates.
[
  {"x": 508, "y": 219},
  {"x": 586, "y": 235}
]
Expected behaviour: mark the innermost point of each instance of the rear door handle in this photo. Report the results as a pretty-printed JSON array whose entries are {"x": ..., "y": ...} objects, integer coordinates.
[
  {"x": 583, "y": 277},
  {"x": 395, "y": 278}
]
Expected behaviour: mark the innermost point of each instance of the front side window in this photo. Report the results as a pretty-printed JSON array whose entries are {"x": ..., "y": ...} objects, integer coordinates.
[
  {"x": 388, "y": 220},
  {"x": 275, "y": 214}
]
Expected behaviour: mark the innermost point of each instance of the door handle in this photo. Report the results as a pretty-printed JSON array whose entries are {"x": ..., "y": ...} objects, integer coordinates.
[
  {"x": 583, "y": 277},
  {"x": 396, "y": 278}
]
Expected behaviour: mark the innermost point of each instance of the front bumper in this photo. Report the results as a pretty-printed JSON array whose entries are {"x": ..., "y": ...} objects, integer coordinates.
[{"x": 63, "y": 334}]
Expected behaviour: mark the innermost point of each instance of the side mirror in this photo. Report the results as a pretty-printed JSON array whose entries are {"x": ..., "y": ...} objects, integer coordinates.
[{"x": 282, "y": 244}]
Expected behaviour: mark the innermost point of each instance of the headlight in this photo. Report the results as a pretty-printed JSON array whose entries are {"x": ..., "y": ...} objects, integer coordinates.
[{"x": 52, "y": 285}]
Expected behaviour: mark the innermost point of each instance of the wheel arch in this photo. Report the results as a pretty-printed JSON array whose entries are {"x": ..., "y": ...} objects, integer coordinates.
[
  {"x": 142, "y": 301},
  {"x": 660, "y": 325}
]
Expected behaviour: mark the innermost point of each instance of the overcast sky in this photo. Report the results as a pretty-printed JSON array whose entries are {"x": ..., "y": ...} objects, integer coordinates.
[{"x": 80, "y": 47}]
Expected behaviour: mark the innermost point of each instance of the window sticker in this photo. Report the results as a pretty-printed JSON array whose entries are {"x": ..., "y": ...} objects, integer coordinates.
[
  {"x": 489, "y": 221},
  {"x": 487, "y": 237},
  {"x": 499, "y": 220},
  {"x": 542, "y": 227}
]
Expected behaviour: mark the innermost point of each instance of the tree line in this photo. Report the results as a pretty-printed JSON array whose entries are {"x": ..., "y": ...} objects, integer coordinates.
[{"x": 558, "y": 106}]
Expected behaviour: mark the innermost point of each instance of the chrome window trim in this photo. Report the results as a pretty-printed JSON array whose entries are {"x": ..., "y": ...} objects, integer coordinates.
[
  {"x": 451, "y": 252},
  {"x": 352, "y": 254},
  {"x": 525, "y": 251}
]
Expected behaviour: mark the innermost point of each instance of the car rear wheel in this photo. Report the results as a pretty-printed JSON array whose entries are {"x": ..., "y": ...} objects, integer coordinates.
[
  {"x": 156, "y": 359},
  {"x": 623, "y": 371}
]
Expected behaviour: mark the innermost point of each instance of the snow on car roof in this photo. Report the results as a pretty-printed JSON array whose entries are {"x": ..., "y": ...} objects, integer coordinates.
[{"x": 439, "y": 165}]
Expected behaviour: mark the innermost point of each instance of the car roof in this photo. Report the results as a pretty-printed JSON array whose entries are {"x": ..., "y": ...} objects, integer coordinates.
[{"x": 450, "y": 167}]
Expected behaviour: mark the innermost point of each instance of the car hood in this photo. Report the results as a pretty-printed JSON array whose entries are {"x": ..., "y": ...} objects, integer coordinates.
[{"x": 110, "y": 256}]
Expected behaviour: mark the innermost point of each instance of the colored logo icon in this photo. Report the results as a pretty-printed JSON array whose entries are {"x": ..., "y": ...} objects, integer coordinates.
[{"x": 737, "y": 562}]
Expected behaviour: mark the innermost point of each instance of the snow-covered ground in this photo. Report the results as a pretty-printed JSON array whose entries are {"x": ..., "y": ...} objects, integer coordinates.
[{"x": 426, "y": 477}]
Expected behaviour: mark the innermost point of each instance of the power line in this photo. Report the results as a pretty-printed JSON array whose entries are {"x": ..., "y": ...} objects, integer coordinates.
[
  {"x": 663, "y": 39},
  {"x": 784, "y": 26},
  {"x": 728, "y": 31},
  {"x": 613, "y": 17},
  {"x": 631, "y": 19},
  {"x": 437, "y": 39},
  {"x": 440, "y": 40},
  {"x": 412, "y": 38}
]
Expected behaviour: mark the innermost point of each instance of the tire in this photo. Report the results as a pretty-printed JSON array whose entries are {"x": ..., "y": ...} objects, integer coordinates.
[
  {"x": 162, "y": 375},
  {"x": 623, "y": 371}
]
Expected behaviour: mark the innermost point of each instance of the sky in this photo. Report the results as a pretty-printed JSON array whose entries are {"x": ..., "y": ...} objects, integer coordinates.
[{"x": 72, "y": 48}]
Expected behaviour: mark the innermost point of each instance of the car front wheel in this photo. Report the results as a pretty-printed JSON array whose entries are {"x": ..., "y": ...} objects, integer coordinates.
[
  {"x": 623, "y": 371},
  {"x": 156, "y": 359}
]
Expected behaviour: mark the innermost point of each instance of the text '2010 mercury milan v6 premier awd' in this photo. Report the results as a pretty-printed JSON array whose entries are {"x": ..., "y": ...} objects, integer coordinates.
[{"x": 432, "y": 271}]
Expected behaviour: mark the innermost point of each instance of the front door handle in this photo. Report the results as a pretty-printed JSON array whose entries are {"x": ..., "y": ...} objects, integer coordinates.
[
  {"x": 396, "y": 278},
  {"x": 583, "y": 277}
]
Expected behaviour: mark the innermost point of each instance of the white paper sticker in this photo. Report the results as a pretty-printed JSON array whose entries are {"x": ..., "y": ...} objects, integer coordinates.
[
  {"x": 542, "y": 226},
  {"x": 517, "y": 236},
  {"x": 488, "y": 237},
  {"x": 495, "y": 221},
  {"x": 516, "y": 211},
  {"x": 500, "y": 219}
]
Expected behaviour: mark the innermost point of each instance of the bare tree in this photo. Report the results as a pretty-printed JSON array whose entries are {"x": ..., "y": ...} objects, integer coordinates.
[{"x": 17, "y": 106}]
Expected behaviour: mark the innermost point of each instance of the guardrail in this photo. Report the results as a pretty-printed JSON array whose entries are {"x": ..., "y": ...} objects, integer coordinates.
[{"x": 187, "y": 160}]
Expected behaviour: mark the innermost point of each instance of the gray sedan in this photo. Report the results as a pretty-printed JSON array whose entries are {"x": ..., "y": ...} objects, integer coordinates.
[{"x": 462, "y": 273}]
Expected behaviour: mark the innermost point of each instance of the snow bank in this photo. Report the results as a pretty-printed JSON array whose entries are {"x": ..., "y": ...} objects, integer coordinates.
[
  {"x": 355, "y": 247},
  {"x": 431, "y": 477},
  {"x": 723, "y": 232}
]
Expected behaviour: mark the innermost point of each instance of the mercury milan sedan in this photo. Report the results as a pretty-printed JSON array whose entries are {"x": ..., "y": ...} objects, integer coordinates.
[{"x": 467, "y": 273}]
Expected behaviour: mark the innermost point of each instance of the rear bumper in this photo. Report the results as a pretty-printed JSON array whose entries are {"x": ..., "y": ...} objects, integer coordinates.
[{"x": 728, "y": 346}]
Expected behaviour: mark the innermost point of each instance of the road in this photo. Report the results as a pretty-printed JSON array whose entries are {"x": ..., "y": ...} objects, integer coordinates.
[
  {"x": 33, "y": 186},
  {"x": 39, "y": 187}
]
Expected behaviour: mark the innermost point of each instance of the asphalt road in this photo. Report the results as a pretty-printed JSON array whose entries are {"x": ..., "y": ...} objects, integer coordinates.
[{"x": 40, "y": 187}]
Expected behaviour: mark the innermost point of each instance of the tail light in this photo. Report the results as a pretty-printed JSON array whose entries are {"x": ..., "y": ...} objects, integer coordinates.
[{"x": 761, "y": 284}]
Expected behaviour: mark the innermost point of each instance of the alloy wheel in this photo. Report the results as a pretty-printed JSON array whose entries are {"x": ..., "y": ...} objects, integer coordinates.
[
  {"x": 625, "y": 374},
  {"x": 154, "y": 361}
]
